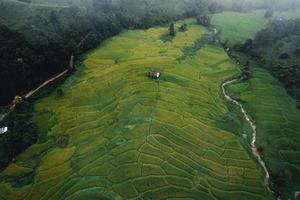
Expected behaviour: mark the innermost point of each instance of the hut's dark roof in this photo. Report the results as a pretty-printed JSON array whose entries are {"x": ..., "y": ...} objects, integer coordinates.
[{"x": 154, "y": 74}]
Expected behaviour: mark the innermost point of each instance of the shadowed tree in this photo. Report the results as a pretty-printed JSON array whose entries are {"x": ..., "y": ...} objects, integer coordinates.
[
  {"x": 204, "y": 20},
  {"x": 269, "y": 14},
  {"x": 172, "y": 29},
  {"x": 183, "y": 28}
]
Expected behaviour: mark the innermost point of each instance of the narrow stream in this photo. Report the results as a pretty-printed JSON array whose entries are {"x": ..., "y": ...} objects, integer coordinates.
[{"x": 253, "y": 126}]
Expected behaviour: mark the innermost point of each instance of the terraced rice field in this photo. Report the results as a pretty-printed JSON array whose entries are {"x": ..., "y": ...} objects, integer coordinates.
[
  {"x": 130, "y": 137},
  {"x": 238, "y": 27},
  {"x": 277, "y": 120}
]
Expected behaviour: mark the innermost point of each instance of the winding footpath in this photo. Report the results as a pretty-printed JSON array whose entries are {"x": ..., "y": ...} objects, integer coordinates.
[
  {"x": 30, "y": 93},
  {"x": 253, "y": 126}
]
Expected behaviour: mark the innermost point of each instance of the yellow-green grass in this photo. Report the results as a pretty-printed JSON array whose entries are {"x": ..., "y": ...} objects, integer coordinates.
[
  {"x": 278, "y": 127},
  {"x": 15, "y": 170},
  {"x": 238, "y": 27},
  {"x": 132, "y": 137}
]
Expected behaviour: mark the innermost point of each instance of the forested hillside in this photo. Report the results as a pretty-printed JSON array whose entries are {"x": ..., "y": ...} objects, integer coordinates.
[
  {"x": 49, "y": 33},
  {"x": 278, "y": 47},
  {"x": 24, "y": 64}
]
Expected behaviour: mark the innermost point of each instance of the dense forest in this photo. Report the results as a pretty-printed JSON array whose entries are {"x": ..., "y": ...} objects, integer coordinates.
[
  {"x": 279, "y": 49},
  {"x": 24, "y": 65},
  {"x": 22, "y": 133}
]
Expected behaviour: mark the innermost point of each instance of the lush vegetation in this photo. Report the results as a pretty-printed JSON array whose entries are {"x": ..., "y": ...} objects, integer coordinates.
[
  {"x": 277, "y": 119},
  {"x": 274, "y": 45},
  {"x": 128, "y": 136},
  {"x": 24, "y": 65},
  {"x": 277, "y": 48},
  {"x": 275, "y": 112},
  {"x": 21, "y": 134}
]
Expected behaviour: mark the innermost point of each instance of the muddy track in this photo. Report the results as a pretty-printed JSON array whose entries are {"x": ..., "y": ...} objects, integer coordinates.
[{"x": 30, "y": 93}]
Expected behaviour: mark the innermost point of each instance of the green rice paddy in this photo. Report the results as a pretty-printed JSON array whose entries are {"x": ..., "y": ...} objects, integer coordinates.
[
  {"x": 129, "y": 137},
  {"x": 238, "y": 27}
]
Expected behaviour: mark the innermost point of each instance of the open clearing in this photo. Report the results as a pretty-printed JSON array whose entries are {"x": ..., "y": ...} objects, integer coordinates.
[
  {"x": 238, "y": 27},
  {"x": 135, "y": 138}
]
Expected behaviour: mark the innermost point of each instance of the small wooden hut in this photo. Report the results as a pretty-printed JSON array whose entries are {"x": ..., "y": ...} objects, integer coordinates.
[{"x": 154, "y": 75}]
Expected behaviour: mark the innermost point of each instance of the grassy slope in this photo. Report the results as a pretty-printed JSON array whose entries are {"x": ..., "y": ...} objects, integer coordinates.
[
  {"x": 277, "y": 119},
  {"x": 238, "y": 27},
  {"x": 133, "y": 137}
]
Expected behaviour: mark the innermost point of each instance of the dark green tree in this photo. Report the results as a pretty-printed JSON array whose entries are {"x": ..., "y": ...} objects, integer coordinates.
[
  {"x": 204, "y": 20},
  {"x": 269, "y": 13},
  {"x": 59, "y": 92},
  {"x": 172, "y": 30},
  {"x": 183, "y": 28}
]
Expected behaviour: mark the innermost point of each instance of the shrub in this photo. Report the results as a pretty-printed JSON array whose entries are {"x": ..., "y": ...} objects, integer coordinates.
[
  {"x": 183, "y": 28},
  {"x": 172, "y": 30},
  {"x": 62, "y": 141},
  {"x": 59, "y": 92},
  {"x": 17, "y": 100},
  {"x": 269, "y": 14}
]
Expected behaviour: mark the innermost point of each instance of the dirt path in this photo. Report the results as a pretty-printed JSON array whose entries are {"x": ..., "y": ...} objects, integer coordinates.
[
  {"x": 30, "y": 93},
  {"x": 11, "y": 108},
  {"x": 253, "y": 126}
]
